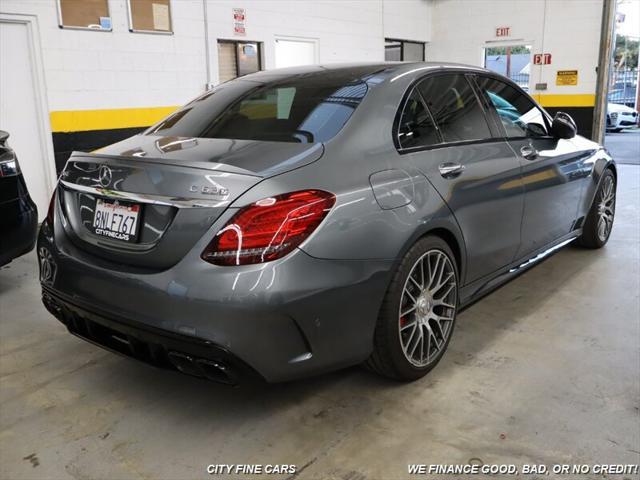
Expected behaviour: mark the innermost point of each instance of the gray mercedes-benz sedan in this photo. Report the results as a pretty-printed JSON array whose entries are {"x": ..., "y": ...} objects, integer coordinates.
[{"x": 296, "y": 221}]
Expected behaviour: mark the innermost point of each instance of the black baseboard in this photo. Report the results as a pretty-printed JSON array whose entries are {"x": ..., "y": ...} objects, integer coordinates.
[{"x": 66, "y": 142}]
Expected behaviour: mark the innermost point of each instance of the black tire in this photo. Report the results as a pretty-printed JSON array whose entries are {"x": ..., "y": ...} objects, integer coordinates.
[
  {"x": 388, "y": 357},
  {"x": 591, "y": 236}
]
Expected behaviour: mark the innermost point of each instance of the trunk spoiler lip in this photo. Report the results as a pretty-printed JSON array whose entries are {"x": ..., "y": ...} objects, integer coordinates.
[
  {"x": 211, "y": 166},
  {"x": 317, "y": 151}
]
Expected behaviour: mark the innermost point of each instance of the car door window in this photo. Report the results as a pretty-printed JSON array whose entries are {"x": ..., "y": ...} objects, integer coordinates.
[
  {"x": 416, "y": 128},
  {"x": 455, "y": 108},
  {"x": 519, "y": 116}
]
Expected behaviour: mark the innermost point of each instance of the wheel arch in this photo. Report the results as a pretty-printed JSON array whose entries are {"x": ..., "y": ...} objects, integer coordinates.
[
  {"x": 612, "y": 166},
  {"x": 600, "y": 169},
  {"x": 449, "y": 232},
  {"x": 603, "y": 163},
  {"x": 452, "y": 242}
]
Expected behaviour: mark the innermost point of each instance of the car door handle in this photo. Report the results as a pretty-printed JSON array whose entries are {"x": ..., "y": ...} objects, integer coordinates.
[
  {"x": 528, "y": 152},
  {"x": 450, "y": 170}
]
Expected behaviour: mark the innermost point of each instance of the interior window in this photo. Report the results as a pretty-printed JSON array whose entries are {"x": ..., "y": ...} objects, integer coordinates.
[
  {"x": 92, "y": 14},
  {"x": 150, "y": 15},
  {"x": 248, "y": 58},
  {"x": 393, "y": 51},
  {"x": 236, "y": 59},
  {"x": 518, "y": 114},
  {"x": 416, "y": 128},
  {"x": 403, "y": 51},
  {"x": 455, "y": 108},
  {"x": 413, "y": 52}
]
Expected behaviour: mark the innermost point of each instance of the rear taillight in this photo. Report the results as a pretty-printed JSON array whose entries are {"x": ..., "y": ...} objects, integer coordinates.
[
  {"x": 269, "y": 228},
  {"x": 52, "y": 209}
]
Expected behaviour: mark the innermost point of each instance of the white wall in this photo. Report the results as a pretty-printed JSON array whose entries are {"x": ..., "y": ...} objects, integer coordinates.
[
  {"x": 568, "y": 29},
  {"x": 120, "y": 69},
  {"x": 407, "y": 19},
  {"x": 98, "y": 70},
  {"x": 92, "y": 70},
  {"x": 346, "y": 31}
]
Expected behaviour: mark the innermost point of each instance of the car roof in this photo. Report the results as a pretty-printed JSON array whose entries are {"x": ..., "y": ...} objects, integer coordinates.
[{"x": 354, "y": 72}]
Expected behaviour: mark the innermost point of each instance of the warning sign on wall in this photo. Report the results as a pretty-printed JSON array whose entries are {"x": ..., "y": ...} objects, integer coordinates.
[
  {"x": 239, "y": 17},
  {"x": 567, "y": 77}
]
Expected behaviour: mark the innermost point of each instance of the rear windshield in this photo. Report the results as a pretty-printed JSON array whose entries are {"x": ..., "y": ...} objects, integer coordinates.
[{"x": 297, "y": 110}]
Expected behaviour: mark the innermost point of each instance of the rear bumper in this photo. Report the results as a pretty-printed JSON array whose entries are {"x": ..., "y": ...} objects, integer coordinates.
[
  {"x": 287, "y": 319},
  {"x": 163, "y": 349},
  {"x": 19, "y": 225}
]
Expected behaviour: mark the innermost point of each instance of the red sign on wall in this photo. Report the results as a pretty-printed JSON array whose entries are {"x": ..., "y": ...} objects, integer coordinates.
[
  {"x": 239, "y": 17},
  {"x": 238, "y": 14},
  {"x": 542, "y": 59},
  {"x": 503, "y": 31}
]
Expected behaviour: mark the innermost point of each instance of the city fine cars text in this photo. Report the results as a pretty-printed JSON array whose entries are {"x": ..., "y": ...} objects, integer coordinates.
[
  {"x": 505, "y": 469},
  {"x": 250, "y": 469}
]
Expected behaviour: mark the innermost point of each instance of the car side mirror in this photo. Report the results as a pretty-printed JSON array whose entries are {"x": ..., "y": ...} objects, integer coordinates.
[
  {"x": 563, "y": 126},
  {"x": 3, "y": 137}
]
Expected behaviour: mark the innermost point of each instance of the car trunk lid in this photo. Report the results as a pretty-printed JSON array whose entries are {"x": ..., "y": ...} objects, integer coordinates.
[{"x": 176, "y": 188}]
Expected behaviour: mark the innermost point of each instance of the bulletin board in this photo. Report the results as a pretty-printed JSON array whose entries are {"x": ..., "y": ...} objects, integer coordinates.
[
  {"x": 150, "y": 15},
  {"x": 83, "y": 13}
]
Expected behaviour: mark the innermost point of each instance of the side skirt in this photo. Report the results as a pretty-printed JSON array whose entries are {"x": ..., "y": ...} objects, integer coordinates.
[{"x": 471, "y": 293}]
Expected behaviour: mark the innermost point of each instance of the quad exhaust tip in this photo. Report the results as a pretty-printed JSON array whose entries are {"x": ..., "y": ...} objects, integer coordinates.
[{"x": 200, "y": 367}]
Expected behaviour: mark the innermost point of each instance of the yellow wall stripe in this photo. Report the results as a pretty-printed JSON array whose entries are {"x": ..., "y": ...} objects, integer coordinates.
[
  {"x": 565, "y": 100},
  {"x": 83, "y": 120}
]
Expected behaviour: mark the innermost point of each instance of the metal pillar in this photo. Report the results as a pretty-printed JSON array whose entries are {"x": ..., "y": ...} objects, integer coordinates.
[{"x": 607, "y": 42}]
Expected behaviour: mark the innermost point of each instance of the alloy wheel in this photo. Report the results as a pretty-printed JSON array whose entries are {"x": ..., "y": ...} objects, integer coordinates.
[
  {"x": 606, "y": 208},
  {"x": 427, "y": 308}
]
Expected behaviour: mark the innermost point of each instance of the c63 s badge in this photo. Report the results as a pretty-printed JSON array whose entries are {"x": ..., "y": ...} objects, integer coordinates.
[{"x": 210, "y": 190}]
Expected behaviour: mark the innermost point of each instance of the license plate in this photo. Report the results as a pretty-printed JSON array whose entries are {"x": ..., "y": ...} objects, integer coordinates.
[{"x": 116, "y": 220}]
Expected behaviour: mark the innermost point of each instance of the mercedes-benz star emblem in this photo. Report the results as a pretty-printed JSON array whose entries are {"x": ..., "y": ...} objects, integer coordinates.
[{"x": 104, "y": 176}]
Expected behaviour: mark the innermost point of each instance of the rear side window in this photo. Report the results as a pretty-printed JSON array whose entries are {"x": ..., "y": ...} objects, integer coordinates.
[
  {"x": 455, "y": 108},
  {"x": 293, "y": 111},
  {"x": 416, "y": 128},
  {"x": 519, "y": 116}
]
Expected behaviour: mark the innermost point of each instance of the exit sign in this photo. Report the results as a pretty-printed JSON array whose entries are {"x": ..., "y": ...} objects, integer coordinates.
[
  {"x": 503, "y": 31},
  {"x": 542, "y": 59}
]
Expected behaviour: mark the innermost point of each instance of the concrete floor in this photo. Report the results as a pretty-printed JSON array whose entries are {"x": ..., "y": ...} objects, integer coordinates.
[
  {"x": 624, "y": 146},
  {"x": 544, "y": 370}
]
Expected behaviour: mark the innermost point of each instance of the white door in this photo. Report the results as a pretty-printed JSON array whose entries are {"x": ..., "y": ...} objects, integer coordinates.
[
  {"x": 21, "y": 113},
  {"x": 295, "y": 52}
]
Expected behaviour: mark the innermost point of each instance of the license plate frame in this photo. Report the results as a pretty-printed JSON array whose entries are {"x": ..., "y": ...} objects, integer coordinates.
[{"x": 116, "y": 220}]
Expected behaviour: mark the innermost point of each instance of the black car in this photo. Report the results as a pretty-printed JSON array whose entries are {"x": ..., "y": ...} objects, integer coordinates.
[{"x": 18, "y": 213}]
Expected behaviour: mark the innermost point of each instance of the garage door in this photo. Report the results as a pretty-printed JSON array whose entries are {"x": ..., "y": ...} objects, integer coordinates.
[{"x": 20, "y": 112}]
